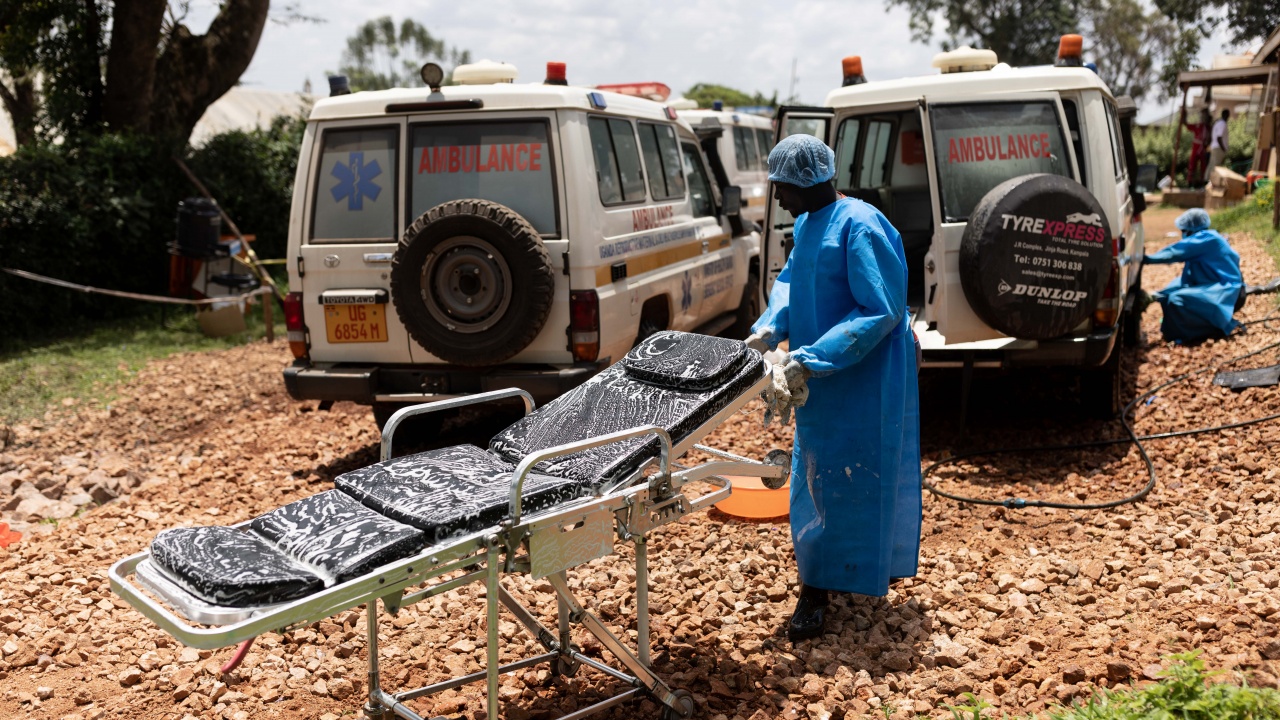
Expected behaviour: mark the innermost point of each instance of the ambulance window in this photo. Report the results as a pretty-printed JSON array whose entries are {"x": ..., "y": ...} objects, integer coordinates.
[
  {"x": 846, "y": 152},
  {"x": 978, "y": 146},
  {"x": 1113, "y": 128},
  {"x": 699, "y": 185},
  {"x": 506, "y": 162},
  {"x": 662, "y": 161},
  {"x": 355, "y": 196},
  {"x": 875, "y": 154},
  {"x": 745, "y": 150},
  {"x": 1077, "y": 142},
  {"x": 617, "y": 160},
  {"x": 765, "y": 139}
]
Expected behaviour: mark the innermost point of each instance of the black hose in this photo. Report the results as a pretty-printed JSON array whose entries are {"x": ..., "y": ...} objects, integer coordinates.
[{"x": 1019, "y": 503}]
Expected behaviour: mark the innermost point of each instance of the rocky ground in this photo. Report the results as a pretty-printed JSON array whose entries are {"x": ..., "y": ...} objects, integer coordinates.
[{"x": 1021, "y": 607}]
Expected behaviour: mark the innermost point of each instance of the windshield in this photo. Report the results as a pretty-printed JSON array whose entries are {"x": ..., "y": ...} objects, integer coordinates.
[
  {"x": 504, "y": 162},
  {"x": 980, "y": 146}
]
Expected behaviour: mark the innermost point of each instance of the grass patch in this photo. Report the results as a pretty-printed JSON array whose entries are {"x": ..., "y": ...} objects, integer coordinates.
[
  {"x": 87, "y": 367},
  {"x": 1253, "y": 215},
  {"x": 1186, "y": 691}
]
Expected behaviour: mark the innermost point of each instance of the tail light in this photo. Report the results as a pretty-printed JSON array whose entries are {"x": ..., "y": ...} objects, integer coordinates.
[
  {"x": 1108, "y": 310},
  {"x": 294, "y": 323},
  {"x": 584, "y": 325}
]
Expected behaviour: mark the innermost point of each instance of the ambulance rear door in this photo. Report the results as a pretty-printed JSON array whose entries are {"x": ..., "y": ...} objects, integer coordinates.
[
  {"x": 778, "y": 223},
  {"x": 960, "y": 175}
]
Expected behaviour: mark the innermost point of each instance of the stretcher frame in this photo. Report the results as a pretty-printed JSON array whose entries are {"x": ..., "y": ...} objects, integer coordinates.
[{"x": 545, "y": 543}]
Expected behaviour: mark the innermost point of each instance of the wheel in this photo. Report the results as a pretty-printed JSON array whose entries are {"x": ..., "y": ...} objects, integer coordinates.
[
  {"x": 1100, "y": 388},
  {"x": 472, "y": 282},
  {"x": 413, "y": 429},
  {"x": 565, "y": 667},
  {"x": 1131, "y": 322},
  {"x": 1036, "y": 256},
  {"x": 683, "y": 709},
  {"x": 748, "y": 310}
]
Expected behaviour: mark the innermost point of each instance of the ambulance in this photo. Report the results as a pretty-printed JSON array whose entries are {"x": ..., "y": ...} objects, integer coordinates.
[
  {"x": 740, "y": 142},
  {"x": 455, "y": 239},
  {"x": 1013, "y": 190}
]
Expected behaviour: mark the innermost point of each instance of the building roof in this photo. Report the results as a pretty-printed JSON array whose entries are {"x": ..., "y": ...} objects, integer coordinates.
[
  {"x": 244, "y": 108},
  {"x": 1245, "y": 75},
  {"x": 1269, "y": 48}
]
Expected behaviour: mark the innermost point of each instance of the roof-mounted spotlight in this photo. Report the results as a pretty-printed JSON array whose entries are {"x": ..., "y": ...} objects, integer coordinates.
[{"x": 432, "y": 75}]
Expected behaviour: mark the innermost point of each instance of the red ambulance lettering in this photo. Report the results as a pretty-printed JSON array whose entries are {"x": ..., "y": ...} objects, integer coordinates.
[
  {"x": 522, "y": 157},
  {"x": 997, "y": 147}
]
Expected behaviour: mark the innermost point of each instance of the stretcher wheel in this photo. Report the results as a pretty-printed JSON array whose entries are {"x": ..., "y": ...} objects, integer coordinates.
[
  {"x": 565, "y": 667},
  {"x": 684, "y": 706}
]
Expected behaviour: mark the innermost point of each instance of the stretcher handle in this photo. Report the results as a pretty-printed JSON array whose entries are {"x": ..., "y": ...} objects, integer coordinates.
[
  {"x": 522, "y": 470},
  {"x": 404, "y": 413}
]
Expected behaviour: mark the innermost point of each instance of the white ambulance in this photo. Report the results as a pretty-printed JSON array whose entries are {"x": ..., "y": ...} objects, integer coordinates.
[
  {"x": 489, "y": 234},
  {"x": 741, "y": 143},
  {"x": 1012, "y": 190}
]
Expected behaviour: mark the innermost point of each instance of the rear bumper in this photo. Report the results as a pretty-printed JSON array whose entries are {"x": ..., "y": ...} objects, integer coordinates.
[
  {"x": 367, "y": 384},
  {"x": 1090, "y": 350}
]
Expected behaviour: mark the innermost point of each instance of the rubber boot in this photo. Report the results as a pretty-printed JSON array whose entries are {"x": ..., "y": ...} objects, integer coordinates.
[{"x": 810, "y": 616}]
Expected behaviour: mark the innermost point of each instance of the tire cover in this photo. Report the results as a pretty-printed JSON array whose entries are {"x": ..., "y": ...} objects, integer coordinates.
[
  {"x": 1036, "y": 256},
  {"x": 513, "y": 282}
]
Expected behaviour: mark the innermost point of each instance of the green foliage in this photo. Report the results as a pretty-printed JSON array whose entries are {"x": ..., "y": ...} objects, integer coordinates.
[
  {"x": 89, "y": 367},
  {"x": 707, "y": 93},
  {"x": 1253, "y": 216},
  {"x": 380, "y": 56},
  {"x": 100, "y": 213},
  {"x": 1154, "y": 145},
  {"x": 1183, "y": 693}
]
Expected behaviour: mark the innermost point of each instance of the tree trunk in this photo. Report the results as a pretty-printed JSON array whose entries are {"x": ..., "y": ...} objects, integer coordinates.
[
  {"x": 195, "y": 70},
  {"x": 19, "y": 100},
  {"x": 131, "y": 63}
]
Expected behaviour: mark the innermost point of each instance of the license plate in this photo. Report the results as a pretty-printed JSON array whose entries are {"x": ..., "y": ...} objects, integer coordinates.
[{"x": 355, "y": 323}]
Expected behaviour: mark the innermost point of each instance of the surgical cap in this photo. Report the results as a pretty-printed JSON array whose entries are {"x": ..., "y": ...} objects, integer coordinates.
[
  {"x": 801, "y": 160},
  {"x": 1193, "y": 220}
]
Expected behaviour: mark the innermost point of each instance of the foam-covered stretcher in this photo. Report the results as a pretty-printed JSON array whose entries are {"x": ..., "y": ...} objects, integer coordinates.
[{"x": 554, "y": 490}]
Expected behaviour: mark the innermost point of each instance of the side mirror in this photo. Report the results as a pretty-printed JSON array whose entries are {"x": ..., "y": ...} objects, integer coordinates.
[{"x": 732, "y": 196}]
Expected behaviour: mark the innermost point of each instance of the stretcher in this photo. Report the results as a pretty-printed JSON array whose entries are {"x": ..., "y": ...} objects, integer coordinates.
[{"x": 555, "y": 490}]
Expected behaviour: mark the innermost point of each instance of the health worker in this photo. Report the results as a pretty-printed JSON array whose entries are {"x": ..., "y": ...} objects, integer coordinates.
[
  {"x": 1201, "y": 303},
  {"x": 840, "y": 301}
]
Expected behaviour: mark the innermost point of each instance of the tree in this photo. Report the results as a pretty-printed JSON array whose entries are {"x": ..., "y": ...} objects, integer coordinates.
[
  {"x": 1132, "y": 47},
  {"x": 159, "y": 76},
  {"x": 1021, "y": 32},
  {"x": 706, "y": 93},
  {"x": 380, "y": 56}
]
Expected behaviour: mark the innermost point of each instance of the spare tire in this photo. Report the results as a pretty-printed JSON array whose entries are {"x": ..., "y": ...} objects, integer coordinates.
[
  {"x": 1036, "y": 256},
  {"x": 472, "y": 282}
]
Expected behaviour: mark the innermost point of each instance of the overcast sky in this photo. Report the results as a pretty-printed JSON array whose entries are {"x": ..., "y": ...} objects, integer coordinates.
[{"x": 746, "y": 44}]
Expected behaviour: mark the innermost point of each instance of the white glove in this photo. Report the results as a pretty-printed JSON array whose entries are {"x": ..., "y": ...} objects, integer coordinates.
[
  {"x": 788, "y": 390},
  {"x": 759, "y": 341}
]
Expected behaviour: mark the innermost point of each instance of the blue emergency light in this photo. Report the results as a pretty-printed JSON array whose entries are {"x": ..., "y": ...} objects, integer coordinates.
[{"x": 597, "y": 100}]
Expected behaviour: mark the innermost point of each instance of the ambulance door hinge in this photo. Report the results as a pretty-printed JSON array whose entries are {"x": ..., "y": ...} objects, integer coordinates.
[
  {"x": 302, "y": 267},
  {"x": 565, "y": 257}
]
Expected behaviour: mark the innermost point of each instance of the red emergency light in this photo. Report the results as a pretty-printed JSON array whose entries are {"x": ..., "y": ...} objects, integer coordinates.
[
  {"x": 555, "y": 74},
  {"x": 649, "y": 90}
]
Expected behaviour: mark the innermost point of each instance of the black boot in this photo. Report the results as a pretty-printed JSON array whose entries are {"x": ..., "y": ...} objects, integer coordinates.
[{"x": 810, "y": 616}]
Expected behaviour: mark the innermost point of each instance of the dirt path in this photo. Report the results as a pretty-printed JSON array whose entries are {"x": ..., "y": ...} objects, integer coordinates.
[{"x": 1020, "y": 607}]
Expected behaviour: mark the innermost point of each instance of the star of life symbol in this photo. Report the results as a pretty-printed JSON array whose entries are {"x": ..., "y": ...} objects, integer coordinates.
[
  {"x": 355, "y": 181},
  {"x": 686, "y": 291},
  {"x": 1003, "y": 287}
]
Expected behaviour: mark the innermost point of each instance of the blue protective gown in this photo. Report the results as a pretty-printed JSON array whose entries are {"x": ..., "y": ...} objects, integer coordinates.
[
  {"x": 855, "y": 485},
  {"x": 1200, "y": 304}
]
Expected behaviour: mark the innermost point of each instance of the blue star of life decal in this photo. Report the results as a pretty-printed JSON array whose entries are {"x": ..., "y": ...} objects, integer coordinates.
[
  {"x": 355, "y": 181},
  {"x": 686, "y": 291}
]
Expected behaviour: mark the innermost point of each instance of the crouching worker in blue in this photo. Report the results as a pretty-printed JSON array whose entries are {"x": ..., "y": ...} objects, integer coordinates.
[
  {"x": 841, "y": 302},
  {"x": 1200, "y": 304}
]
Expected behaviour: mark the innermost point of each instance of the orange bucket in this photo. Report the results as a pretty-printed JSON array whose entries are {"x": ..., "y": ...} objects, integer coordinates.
[{"x": 751, "y": 499}]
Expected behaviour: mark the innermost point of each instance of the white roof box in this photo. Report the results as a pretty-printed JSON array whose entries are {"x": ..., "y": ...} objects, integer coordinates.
[
  {"x": 485, "y": 72},
  {"x": 965, "y": 59}
]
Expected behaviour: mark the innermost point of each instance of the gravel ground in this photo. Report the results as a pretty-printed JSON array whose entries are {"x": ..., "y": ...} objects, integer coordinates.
[{"x": 1024, "y": 608}]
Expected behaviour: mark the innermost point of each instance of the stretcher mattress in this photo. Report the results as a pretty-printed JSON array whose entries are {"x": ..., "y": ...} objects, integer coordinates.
[
  {"x": 675, "y": 380},
  {"x": 451, "y": 491},
  {"x": 393, "y": 509}
]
